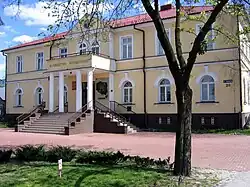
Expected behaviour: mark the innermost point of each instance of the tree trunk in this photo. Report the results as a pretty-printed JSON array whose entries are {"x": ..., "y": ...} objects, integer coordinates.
[{"x": 183, "y": 133}]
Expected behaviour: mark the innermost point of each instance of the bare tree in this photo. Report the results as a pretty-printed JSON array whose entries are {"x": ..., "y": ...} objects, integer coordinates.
[{"x": 99, "y": 15}]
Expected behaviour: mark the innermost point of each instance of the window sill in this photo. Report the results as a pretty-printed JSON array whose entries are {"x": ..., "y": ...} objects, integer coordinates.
[
  {"x": 164, "y": 103},
  {"x": 205, "y": 102},
  {"x": 127, "y": 104},
  {"x": 18, "y": 106}
]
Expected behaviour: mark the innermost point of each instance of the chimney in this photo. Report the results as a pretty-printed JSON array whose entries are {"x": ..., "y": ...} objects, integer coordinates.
[{"x": 166, "y": 7}]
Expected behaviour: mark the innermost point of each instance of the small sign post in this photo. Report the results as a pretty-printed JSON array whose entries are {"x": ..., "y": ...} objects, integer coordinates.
[{"x": 60, "y": 168}]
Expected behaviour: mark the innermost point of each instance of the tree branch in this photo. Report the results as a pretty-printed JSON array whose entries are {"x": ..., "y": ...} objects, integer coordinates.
[
  {"x": 163, "y": 38},
  {"x": 156, "y": 5},
  {"x": 201, "y": 36},
  {"x": 178, "y": 35}
]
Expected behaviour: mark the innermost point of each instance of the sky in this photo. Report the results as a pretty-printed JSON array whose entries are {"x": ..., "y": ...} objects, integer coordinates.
[{"x": 25, "y": 26}]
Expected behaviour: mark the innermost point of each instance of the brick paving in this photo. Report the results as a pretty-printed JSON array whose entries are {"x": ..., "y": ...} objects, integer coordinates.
[{"x": 230, "y": 152}]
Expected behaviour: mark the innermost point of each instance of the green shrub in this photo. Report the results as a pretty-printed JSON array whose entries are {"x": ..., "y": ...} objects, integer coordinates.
[
  {"x": 5, "y": 155},
  {"x": 94, "y": 157},
  {"x": 60, "y": 152},
  {"x": 30, "y": 153}
]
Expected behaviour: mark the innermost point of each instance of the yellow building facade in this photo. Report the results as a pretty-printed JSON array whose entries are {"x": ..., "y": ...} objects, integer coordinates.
[{"x": 129, "y": 73}]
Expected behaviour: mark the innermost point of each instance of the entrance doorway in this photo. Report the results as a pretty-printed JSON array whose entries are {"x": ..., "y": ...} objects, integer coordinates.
[{"x": 85, "y": 93}]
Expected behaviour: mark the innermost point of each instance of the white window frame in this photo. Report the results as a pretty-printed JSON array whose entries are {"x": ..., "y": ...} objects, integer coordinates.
[
  {"x": 197, "y": 30},
  {"x": 79, "y": 48},
  {"x": 165, "y": 91},
  {"x": 121, "y": 47},
  {"x": 37, "y": 65},
  {"x": 64, "y": 55},
  {"x": 157, "y": 48},
  {"x": 37, "y": 95},
  {"x": 208, "y": 89},
  {"x": 123, "y": 93},
  {"x": 95, "y": 46},
  {"x": 19, "y": 70},
  {"x": 18, "y": 97}
]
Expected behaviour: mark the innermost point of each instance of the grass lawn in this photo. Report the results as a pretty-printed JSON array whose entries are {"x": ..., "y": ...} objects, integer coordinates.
[
  {"x": 222, "y": 131},
  {"x": 45, "y": 175}
]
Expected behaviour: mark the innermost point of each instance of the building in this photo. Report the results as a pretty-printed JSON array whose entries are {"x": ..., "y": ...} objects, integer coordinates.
[{"x": 129, "y": 78}]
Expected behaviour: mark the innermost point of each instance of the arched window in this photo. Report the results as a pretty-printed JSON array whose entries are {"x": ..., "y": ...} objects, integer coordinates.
[
  {"x": 19, "y": 94},
  {"x": 127, "y": 92},
  {"x": 207, "y": 88},
  {"x": 39, "y": 96},
  {"x": 82, "y": 48},
  {"x": 95, "y": 47},
  {"x": 164, "y": 91},
  {"x": 65, "y": 96}
]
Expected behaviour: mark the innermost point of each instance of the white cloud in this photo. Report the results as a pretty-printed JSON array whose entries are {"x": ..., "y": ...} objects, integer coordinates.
[
  {"x": 10, "y": 29},
  {"x": 2, "y": 34},
  {"x": 32, "y": 14},
  {"x": 43, "y": 29},
  {"x": 24, "y": 38}
]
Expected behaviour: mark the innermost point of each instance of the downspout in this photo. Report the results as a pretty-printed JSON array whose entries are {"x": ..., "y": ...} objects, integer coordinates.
[
  {"x": 5, "y": 90},
  {"x": 240, "y": 76},
  {"x": 50, "y": 49},
  {"x": 144, "y": 77}
]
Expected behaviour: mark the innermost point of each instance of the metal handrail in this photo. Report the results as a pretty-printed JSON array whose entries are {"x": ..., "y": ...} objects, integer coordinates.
[
  {"x": 118, "y": 117},
  {"x": 119, "y": 104},
  {"x": 57, "y": 108},
  {"x": 78, "y": 113},
  {"x": 23, "y": 116}
]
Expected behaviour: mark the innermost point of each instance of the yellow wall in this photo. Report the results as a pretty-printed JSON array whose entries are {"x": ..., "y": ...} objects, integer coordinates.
[{"x": 221, "y": 62}]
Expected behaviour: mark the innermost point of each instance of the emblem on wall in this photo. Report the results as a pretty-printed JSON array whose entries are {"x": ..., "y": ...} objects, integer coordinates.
[{"x": 102, "y": 88}]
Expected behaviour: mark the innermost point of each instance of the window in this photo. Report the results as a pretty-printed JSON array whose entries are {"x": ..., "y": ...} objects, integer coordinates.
[
  {"x": 65, "y": 96},
  {"x": 248, "y": 91},
  {"x": 202, "y": 121},
  {"x": 164, "y": 120},
  {"x": 212, "y": 120},
  {"x": 207, "y": 88},
  {"x": 126, "y": 47},
  {"x": 209, "y": 37},
  {"x": 95, "y": 47},
  {"x": 127, "y": 92},
  {"x": 39, "y": 61},
  {"x": 159, "y": 48},
  {"x": 19, "y": 64},
  {"x": 18, "y": 95},
  {"x": 39, "y": 96},
  {"x": 164, "y": 91},
  {"x": 82, "y": 48},
  {"x": 63, "y": 52}
]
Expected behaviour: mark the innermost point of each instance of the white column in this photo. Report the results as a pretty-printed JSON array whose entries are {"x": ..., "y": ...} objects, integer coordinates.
[
  {"x": 61, "y": 92},
  {"x": 111, "y": 91},
  {"x": 78, "y": 90},
  {"x": 51, "y": 92},
  {"x": 90, "y": 89}
]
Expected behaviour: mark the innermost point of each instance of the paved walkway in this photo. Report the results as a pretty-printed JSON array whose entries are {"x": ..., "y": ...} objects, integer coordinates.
[{"x": 228, "y": 152}]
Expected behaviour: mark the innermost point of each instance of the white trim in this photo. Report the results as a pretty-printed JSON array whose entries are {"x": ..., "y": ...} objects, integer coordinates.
[
  {"x": 78, "y": 43},
  {"x": 20, "y": 55},
  {"x": 157, "y": 40},
  {"x": 159, "y": 78},
  {"x": 59, "y": 51},
  {"x": 38, "y": 86},
  {"x": 126, "y": 79},
  {"x": 120, "y": 47},
  {"x": 128, "y": 60},
  {"x": 165, "y": 86},
  {"x": 18, "y": 88},
  {"x": 36, "y": 60},
  {"x": 207, "y": 89},
  {"x": 99, "y": 45},
  {"x": 212, "y": 74}
]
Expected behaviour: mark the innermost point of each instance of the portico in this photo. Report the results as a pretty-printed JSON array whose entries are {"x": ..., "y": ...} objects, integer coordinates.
[{"x": 78, "y": 92}]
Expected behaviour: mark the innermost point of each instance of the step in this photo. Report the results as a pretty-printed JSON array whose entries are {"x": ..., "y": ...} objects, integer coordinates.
[
  {"x": 50, "y": 122},
  {"x": 44, "y": 127},
  {"x": 41, "y": 131}
]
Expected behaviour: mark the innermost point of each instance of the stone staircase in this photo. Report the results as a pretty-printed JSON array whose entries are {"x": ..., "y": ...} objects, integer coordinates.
[
  {"x": 108, "y": 121},
  {"x": 54, "y": 123}
]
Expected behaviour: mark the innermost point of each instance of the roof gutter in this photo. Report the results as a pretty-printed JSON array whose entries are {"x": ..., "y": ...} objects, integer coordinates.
[
  {"x": 144, "y": 76},
  {"x": 5, "y": 90},
  {"x": 240, "y": 76}
]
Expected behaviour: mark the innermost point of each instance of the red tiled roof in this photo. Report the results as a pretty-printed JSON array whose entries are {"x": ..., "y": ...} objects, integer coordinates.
[
  {"x": 40, "y": 41},
  {"x": 166, "y": 14},
  {"x": 142, "y": 18}
]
